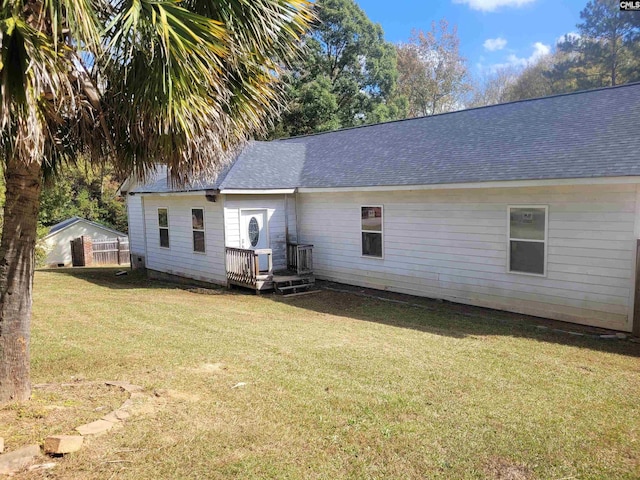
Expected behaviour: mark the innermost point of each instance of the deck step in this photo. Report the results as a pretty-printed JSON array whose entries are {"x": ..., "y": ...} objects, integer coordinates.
[
  {"x": 308, "y": 292},
  {"x": 286, "y": 290},
  {"x": 293, "y": 287},
  {"x": 293, "y": 283},
  {"x": 288, "y": 283}
]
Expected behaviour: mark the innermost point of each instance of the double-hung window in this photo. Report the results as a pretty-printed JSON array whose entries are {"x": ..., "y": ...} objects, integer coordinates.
[
  {"x": 197, "y": 227},
  {"x": 528, "y": 239},
  {"x": 163, "y": 227},
  {"x": 371, "y": 226}
]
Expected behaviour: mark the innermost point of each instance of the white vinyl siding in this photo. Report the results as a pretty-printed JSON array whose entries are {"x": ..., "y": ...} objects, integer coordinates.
[
  {"x": 136, "y": 225},
  {"x": 292, "y": 221},
  {"x": 180, "y": 259},
  {"x": 275, "y": 207},
  {"x": 451, "y": 244}
]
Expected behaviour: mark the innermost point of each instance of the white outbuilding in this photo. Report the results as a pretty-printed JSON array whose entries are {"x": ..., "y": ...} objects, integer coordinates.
[{"x": 58, "y": 241}]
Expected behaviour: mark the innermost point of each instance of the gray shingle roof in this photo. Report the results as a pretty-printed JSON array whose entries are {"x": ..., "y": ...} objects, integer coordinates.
[
  {"x": 581, "y": 135},
  {"x": 159, "y": 182},
  {"x": 267, "y": 165},
  {"x": 588, "y": 134},
  {"x": 63, "y": 224}
]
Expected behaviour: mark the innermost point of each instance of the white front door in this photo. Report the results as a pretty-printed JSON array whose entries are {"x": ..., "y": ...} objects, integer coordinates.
[{"x": 254, "y": 233}]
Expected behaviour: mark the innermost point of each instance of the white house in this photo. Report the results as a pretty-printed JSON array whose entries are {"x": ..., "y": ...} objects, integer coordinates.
[
  {"x": 58, "y": 241},
  {"x": 530, "y": 207}
]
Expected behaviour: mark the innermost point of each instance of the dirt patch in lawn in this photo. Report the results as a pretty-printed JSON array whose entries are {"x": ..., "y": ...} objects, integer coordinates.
[
  {"x": 57, "y": 409},
  {"x": 211, "y": 368},
  {"x": 503, "y": 469}
]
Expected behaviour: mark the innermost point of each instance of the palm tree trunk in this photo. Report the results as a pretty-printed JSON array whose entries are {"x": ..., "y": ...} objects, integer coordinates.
[{"x": 17, "y": 262}]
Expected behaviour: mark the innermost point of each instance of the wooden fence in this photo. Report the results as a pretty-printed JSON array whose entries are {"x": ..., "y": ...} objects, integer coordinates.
[
  {"x": 113, "y": 251},
  {"x": 86, "y": 252}
]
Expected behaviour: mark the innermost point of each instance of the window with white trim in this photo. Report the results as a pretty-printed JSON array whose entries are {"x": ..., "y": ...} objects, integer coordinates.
[
  {"x": 371, "y": 227},
  {"x": 528, "y": 239},
  {"x": 197, "y": 227},
  {"x": 163, "y": 226}
]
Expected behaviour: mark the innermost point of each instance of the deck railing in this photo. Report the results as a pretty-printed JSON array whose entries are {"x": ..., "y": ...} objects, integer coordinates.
[
  {"x": 300, "y": 258},
  {"x": 243, "y": 266}
]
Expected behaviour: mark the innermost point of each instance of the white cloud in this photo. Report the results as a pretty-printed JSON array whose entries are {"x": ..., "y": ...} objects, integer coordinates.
[
  {"x": 494, "y": 44},
  {"x": 539, "y": 50},
  {"x": 513, "y": 61},
  {"x": 493, "y": 5}
]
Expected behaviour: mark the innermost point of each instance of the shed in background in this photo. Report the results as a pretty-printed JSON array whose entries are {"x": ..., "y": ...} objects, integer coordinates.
[{"x": 58, "y": 241}]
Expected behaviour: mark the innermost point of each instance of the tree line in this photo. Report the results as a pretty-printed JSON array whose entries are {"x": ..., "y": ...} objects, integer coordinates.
[
  {"x": 351, "y": 76},
  {"x": 605, "y": 51}
]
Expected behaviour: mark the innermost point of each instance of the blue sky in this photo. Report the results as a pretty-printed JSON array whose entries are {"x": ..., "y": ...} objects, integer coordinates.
[{"x": 492, "y": 32}]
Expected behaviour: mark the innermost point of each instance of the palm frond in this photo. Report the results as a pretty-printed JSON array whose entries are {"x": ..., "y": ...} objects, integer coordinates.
[
  {"x": 199, "y": 80},
  {"x": 142, "y": 81}
]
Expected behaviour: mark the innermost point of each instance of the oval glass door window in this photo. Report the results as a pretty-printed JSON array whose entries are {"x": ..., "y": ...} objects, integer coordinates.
[{"x": 254, "y": 231}]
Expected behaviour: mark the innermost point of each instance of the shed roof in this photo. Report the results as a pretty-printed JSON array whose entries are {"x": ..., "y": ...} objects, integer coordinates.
[
  {"x": 58, "y": 227},
  {"x": 579, "y": 135}
]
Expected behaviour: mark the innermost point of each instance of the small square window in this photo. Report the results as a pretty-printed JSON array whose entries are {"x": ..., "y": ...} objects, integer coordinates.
[
  {"x": 164, "y": 237},
  {"x": 372, "y": 219},
  {"x": 527, "y": 257},
  {"x": 198, "y": 242},
  {"x": 163, "y": 217},
  {"x": 371, "y": 244},
  {"x": 197, "y": 219}
]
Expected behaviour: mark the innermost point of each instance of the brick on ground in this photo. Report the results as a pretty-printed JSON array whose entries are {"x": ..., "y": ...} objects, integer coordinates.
[
  {"x": 61, "y": 444},
  {"x": 95, "y": 428}
]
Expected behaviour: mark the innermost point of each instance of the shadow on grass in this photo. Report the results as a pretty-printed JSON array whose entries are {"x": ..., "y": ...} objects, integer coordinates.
[
  {"x": 106, "y": 277},
  {"x": 450, "y": 319},
  {"x": 402, "y": 311},
  {"x": 132, "y": 279}
]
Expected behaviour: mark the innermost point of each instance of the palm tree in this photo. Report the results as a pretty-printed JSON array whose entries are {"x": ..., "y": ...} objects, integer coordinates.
[{"x": 132, "y": 82}]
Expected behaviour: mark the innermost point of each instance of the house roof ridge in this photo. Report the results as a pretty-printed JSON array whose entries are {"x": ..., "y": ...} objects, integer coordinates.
[{"x": 437, "y": 115}]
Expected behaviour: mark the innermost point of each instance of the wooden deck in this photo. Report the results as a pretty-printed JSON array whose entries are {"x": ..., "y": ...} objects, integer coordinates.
[{"x": 243, "y": 270}]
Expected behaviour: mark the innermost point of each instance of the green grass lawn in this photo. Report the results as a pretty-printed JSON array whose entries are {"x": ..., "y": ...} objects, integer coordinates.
[{"x": 337, "y": 386}]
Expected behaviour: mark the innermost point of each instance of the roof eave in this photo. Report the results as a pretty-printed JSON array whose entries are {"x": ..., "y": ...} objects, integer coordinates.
[
  {"x": 475, "y": 185},
  {"x": 258, "y": 191},
  {"x": 95, "y": 224}
]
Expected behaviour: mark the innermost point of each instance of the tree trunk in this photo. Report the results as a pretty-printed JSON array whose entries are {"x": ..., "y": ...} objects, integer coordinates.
[
  {"x": 17, "y": 263},
  {"x": 614, "y": 56},
  {"x": 613, "y": 67}
]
